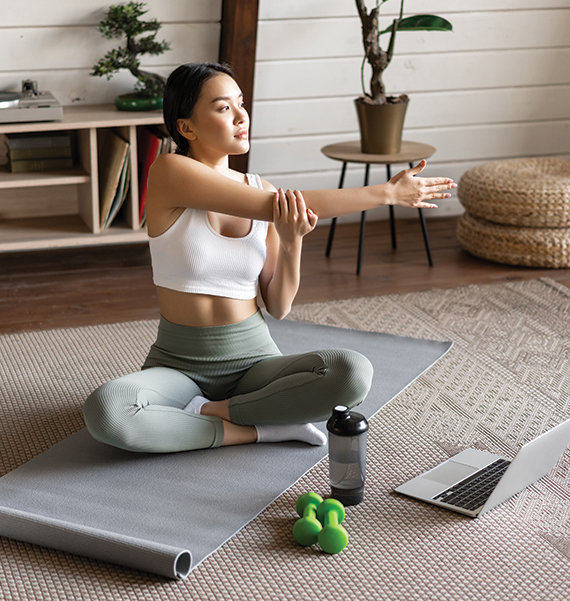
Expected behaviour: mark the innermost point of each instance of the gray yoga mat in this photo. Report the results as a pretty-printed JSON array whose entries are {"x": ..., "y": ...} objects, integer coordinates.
[{"x": 166, "y": 513}]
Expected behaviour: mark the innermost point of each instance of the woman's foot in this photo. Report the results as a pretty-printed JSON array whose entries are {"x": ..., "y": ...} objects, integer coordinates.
[
  {"x": 270, "y": 433},
  {"x": 195, "y": 405}
]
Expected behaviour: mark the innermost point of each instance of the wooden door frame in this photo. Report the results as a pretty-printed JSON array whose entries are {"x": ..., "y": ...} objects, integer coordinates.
[{"x": 238, "y": 37}]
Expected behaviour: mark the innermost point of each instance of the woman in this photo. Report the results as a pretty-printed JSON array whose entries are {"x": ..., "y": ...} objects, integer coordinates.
[{"x": 218, "y": 241}]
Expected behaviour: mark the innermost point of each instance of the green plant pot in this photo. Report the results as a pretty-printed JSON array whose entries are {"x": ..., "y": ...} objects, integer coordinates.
[
  {"x": 381, "y": 126},
  {"x": 136, "y": 102}
]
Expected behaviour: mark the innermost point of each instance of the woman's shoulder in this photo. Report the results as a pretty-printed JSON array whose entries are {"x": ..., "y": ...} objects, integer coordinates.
[{"x": 168, "y": 162}]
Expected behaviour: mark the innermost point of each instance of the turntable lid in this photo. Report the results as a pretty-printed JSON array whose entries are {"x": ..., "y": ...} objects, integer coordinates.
[{"x": 9, "y": 99}]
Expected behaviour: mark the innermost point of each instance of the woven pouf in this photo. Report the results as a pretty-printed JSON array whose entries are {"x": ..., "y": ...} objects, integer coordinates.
[
  {"x": 517, "y": 212},
  {"x": 514, "y": 245},
  {"x": 529, "y": 192}
]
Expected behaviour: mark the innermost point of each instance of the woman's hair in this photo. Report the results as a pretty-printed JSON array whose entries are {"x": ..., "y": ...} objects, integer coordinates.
[{"x": 181, "y": 92}]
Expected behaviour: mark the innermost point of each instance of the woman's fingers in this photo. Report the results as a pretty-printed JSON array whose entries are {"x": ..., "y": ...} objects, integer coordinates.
[
  {"x": 300, "y": 203},
  {"x": 283, "y": 204},
  {"x": 437, "y": 184},
  {"x": 436, "y": 187},
  {"x": 437, "y": 181},
  {"x": 292, "y": 204},
  {"x": 295, "y": 215},
  {"x": 290, "y": 209},
  {"x": 430, "y": 194},
  {"x": 296, "y": 205}
]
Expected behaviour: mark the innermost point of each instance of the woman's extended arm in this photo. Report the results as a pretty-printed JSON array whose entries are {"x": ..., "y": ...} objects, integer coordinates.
[
  {"x": 404, "y": 189},
  {"x": 176, "y": 181}
]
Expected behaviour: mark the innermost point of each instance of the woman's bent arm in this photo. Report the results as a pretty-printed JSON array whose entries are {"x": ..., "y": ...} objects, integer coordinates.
[{"x": 280, "y": 277}]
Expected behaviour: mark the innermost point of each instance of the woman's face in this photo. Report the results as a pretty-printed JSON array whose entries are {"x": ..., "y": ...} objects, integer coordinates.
[{"x": 219, "y": 122}]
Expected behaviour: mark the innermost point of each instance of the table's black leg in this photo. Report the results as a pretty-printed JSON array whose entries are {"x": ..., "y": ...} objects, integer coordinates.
[
  {"x": 426, "y": 239},
  {"x": 331, "y": 236},
  {"x": 362, "y": 223},
  {"x": 333, "y": 222},
  {"x": 360, "y": 241},
  {"x": 391, "y": 209},
  {"x": 425, "y": 233}
]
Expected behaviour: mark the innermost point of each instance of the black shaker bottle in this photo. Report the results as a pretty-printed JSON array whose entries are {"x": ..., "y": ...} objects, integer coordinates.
[{"x": 347, "y": 455}]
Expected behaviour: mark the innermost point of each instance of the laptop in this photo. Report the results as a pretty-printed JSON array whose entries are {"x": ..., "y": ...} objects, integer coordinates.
[{"x": 474, "y": 482}]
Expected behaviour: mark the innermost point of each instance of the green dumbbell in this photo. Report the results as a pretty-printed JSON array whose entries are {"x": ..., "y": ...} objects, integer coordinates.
[
  {"x": 306, "y": 530},
  {"x": 333, "y": 538}
]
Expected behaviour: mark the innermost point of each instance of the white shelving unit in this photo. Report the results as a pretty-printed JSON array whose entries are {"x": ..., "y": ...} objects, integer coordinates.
[{"x": 61, "y": 209}]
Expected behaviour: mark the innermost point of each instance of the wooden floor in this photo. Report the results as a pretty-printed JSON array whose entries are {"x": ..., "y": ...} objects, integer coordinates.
[{"x": 65, "y": 288}]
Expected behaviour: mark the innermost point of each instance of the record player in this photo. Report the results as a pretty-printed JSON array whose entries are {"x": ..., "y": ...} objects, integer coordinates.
[{"x": 29, "y": 105}]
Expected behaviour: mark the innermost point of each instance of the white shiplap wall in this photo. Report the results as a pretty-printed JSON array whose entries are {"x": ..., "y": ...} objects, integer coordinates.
[
  {"x": 57, "y": 43},
  {"x": 497, "y": 87}
]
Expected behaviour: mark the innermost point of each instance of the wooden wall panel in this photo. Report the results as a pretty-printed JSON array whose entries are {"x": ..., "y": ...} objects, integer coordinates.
[
  {"x": 57, "y": 45},
  {"x": 306, "y": 9},
  {"x": 439, "y": 109},
  {"x": 319, "y": 78},
  {"x": 89, "y": 12},
  {"x": 524, "y": 28},
  {"x": 88, "y": 45}
]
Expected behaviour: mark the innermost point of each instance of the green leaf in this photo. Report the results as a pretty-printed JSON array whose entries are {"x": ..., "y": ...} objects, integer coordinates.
[{"x": 422, "y": 23}]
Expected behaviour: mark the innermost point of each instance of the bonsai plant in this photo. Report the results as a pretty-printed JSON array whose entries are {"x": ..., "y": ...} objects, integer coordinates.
[
  {"x": 125, "y": 20},
  {"x": 381, "y": 117}
]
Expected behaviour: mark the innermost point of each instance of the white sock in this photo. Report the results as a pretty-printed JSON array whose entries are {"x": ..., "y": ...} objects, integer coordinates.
[
  {"x": 195, "y": 405},
  {"x": 303, "y": 432}
]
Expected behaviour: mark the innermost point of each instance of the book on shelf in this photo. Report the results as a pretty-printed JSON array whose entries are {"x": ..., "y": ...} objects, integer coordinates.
[
  {"x": 39, "y": 140},
  {"x": 113, "y": 154},
  {"x": 40, "y": 152},
  {"x": 120, "y": 194},
  {"x": 58, "y": 152},
  {"x": 151, "y": 141},
  {"x": 35, "y": 165}
]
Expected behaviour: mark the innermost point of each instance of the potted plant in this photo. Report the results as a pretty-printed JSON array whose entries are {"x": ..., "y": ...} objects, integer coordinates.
[
  {"x": 125, "y": 20},
  {"x": 381, "y": 117}
]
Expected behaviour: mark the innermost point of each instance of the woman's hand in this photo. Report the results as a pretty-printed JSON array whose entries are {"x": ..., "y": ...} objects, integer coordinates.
[
  {"x": 292, "y": 218},
  {"x": 406, "y": 190}
]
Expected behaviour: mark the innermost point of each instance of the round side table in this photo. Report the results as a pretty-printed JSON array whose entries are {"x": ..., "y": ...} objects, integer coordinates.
[{"x": 349, "y": 152}]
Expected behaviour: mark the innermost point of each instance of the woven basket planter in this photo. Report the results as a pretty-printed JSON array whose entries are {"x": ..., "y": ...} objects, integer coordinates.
[
  {"x": 533, "y": 192},
  {"x": 529, "y": 246}
]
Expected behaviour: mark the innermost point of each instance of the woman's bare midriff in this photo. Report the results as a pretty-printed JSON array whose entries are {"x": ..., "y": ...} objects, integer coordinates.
[{"x": 203, "y": 310}]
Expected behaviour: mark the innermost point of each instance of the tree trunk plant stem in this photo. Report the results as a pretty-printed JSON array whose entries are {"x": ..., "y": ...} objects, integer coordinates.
[{"x": 377, "y": 57}]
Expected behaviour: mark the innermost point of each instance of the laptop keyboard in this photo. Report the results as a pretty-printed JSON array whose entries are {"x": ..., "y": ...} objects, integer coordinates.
[{"x": 472, "y": 492}]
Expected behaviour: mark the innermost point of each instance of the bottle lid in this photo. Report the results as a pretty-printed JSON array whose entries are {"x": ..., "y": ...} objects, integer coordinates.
[{"x": 343, "y": 422}]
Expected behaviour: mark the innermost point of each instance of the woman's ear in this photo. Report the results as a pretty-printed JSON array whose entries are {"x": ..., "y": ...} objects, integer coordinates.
[{"x": 185, "y": 129}]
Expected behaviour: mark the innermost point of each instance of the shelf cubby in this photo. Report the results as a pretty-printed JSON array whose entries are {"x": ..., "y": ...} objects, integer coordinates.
[{"x": 61, "y": 209}]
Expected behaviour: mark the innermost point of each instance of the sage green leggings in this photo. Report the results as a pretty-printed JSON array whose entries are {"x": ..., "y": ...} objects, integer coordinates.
[{"x": 143, "y": 411}]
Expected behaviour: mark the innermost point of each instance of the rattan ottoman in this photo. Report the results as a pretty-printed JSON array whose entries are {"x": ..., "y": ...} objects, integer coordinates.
[{"x": 517, "y": 212}]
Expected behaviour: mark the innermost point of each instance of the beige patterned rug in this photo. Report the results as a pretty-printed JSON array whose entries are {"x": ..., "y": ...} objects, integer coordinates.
[{"x": 506, "y": 380}]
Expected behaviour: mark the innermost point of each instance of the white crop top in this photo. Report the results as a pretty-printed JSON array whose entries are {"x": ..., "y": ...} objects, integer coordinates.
[{"x": 192, "y": 257}]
